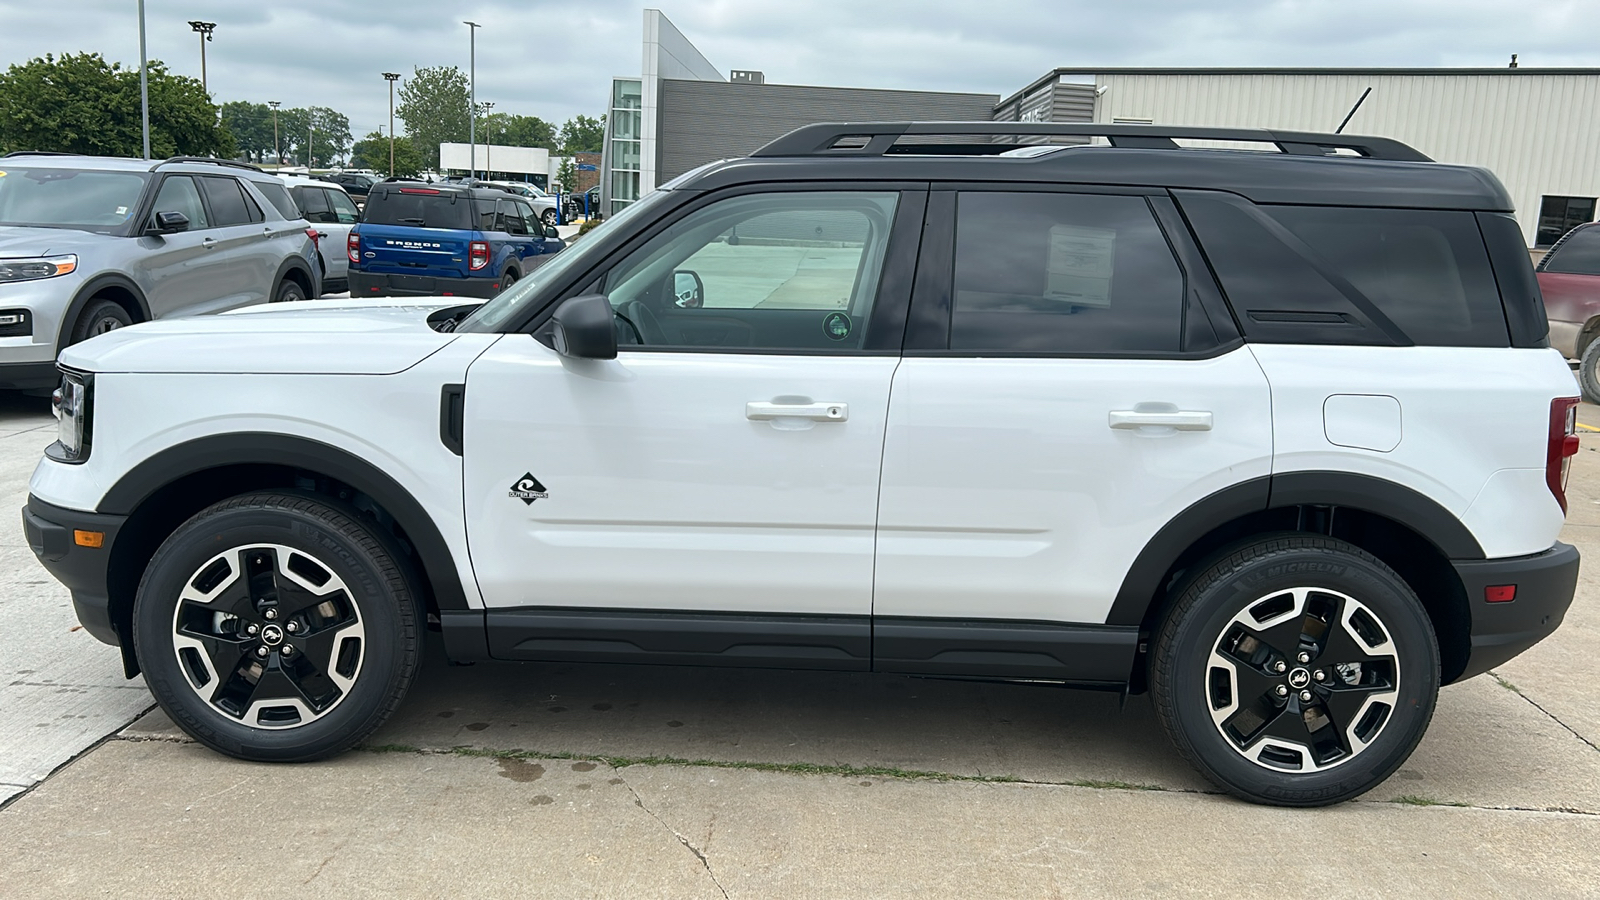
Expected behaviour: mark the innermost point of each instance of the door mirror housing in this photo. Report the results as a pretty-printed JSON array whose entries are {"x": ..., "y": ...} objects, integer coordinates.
[
  {"x": 688, "y": 291},
  {"x": 551, "y": 232},
  {"x": 170, "y": 223},
  {"x": 585, "y": 327}
]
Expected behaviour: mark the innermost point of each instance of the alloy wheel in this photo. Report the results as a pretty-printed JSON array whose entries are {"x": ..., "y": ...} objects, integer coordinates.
[
  {"x": 268, "y": 636},
  {"x": 1302, "y": 680}
]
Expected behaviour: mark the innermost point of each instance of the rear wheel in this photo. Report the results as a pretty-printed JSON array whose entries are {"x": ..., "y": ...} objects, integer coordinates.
[
  {"x": 289, "y": 291},
  {"x": 98, "y": 318},
  {"x": 1296, "y": 671},
  {"x": 1589, "y": 372},
  {"x": 276, "y": 627},
  {"x": 549, "y": 218}
]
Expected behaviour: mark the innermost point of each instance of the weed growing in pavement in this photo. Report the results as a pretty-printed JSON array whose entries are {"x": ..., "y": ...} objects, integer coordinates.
[
  {"x": 1419, "y": 800},
  {"x": 1506, "y": 684}
]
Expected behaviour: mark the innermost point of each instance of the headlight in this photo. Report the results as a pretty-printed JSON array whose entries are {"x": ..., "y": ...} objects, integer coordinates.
[
  {"x": 74, "y": 408},
  {"x": 36, "y": 268}
]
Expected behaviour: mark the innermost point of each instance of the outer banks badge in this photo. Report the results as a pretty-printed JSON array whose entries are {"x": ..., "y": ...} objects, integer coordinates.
[
  {"x": 528, "y": 489},
  {"x": 836, "y": 326}
]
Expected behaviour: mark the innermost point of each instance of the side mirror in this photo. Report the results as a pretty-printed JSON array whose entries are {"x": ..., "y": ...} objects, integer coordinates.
[
  {"x": 585, "y": 328},
  {"x": 688, "y": 291},
  {"x": 551, "y": 232},
  {"x": 170, "y": 223}
]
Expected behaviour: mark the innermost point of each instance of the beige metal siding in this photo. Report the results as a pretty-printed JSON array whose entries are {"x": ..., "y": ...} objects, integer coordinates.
[{"x": 1539, "y": 133}]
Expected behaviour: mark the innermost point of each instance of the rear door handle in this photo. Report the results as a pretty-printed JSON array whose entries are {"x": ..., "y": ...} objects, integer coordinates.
[
  {"x": 208, "y": 243},
  {"x": 1182, "y": 420},
  {"x": 816, "y": 412}
]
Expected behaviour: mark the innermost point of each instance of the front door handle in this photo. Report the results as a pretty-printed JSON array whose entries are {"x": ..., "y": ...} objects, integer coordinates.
[
  {"x": 817, "y": 412},
  {"x": 1181, "y": 420},
  {"x": 208, "y": 243}
]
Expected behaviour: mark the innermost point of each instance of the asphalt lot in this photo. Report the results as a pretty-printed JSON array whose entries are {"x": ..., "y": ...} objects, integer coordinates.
[{"x": 590, "y": 781}]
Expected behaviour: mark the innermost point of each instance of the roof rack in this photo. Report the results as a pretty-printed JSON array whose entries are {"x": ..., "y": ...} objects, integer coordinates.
[
  {"x": 209, "y": 160},
  {"x": 39, "y": 153},
  {"x": 878, "y": 138}
]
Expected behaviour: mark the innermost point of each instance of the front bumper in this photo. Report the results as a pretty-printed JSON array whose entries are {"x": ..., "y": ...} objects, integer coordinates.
[
  {"x": 369, "y": 284},
  {"x": 1545, "y": 584},
  {"x": 50, "y": 533}
]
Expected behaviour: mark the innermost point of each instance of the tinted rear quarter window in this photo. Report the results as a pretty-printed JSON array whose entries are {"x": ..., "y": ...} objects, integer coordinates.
[
  {"x": 1578, "y": 254},
  {"x": 420, "y": 208},
  {"x": 278, "y": 196},
  {"x": 1063, "y": 273},
  {"x": 1349, "y": 275}
]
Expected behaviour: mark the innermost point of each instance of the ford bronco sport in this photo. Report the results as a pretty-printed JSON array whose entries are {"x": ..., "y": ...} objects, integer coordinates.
[{"x": 1277, "y": 437}]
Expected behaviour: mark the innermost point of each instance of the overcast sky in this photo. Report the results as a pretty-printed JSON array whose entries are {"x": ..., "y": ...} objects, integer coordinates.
[{"x": 555, "y": 59}]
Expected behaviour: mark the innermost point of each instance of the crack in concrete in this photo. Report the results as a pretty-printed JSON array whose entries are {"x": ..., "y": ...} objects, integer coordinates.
[
  {"x": 1505, "y": 683},
  {"x": 688, "y": 845}
]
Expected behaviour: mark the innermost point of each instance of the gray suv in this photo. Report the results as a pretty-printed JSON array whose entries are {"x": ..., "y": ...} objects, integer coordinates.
[{"x": 88, "y": 244}]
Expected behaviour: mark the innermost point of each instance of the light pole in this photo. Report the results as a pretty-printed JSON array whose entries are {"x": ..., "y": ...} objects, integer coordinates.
[
  {"x": 311, "y": 137},
  {"x": 472, "y": 101},
  {"x": 488, "y": 141},
  {"x": 391, "y": 77},
  {"x": 277, "y": 154},
  {"x": 144, "y": 84},
  {"x": 203, "y": 29}
]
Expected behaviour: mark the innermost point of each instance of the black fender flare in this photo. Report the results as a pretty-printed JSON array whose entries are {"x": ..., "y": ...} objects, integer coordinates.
[
  {"x": 245, "y": 448},
  {"x": 89, "y": 291},
  {"x": 1378, "y": 496}
]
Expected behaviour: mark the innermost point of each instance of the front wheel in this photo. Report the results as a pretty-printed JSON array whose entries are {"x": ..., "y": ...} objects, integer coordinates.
[
  {"x": 550, "y": 218},
  {"x": 276, "y": 627},
  {"x": 1296, "y": 671},
  {"x": 101, "y": 316}
]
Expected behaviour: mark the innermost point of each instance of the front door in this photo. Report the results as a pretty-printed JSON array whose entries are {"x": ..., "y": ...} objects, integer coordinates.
[
  {"x": 727, "y": 461},
  {"x": 182, "y": 268}
]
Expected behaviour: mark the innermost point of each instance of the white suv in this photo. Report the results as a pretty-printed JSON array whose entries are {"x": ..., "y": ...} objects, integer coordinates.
[{"x": 1277, "y": 437}]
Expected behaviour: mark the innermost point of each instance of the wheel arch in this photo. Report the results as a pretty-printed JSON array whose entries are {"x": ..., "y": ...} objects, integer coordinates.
[
  {"x": 165, "y": 490},
  {"x": 299, "y": 271},
  {"x": 112, "y": 285},
  {"x": 1409, "y": 532}
]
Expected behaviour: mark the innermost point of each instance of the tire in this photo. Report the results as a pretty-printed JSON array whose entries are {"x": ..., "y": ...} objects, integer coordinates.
[
  {"x": 289, "y": 291},
  {"x": 1370, "y": 670},
  {"x": 550, "y": 218},
  {"x": 99, "y": 317},
  {"x": 508, "y": 278},
  {"x": 1589, "y": 372},
  {"x": 332, "y": 647}
]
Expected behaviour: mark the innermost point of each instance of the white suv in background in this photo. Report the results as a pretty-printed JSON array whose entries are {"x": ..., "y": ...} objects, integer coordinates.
[
  {"x": 1277, "y": 437},
  {"x": 332, "y": 213}
]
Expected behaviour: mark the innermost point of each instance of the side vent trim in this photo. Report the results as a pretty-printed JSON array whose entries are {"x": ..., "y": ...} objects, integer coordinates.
[{"x": 452, "y": 416}]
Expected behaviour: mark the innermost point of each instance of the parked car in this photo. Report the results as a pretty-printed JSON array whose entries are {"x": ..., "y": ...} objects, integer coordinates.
[
  {"x": 585, "y": 203},
  {"x": 355, "y": 184},
  {"x": 1569, "y": 279},
  {"x": 1277, "y": 437},
  {"x": 421, "y": 240},
  {"x": 332, "y": 213},
  {"x": 89, "y": 244},
  {"x": 543, "y": 204}
]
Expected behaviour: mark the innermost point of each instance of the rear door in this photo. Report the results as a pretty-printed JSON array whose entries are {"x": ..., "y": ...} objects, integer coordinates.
[
  {"x": 242, "y": 244},
  {"x": 418, "y": 236},
  {"x": 342, "y": 216},
  {"x": 1065, "y": 394}
]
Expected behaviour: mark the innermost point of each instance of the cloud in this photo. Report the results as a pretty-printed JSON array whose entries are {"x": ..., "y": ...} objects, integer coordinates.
[{"x": 556, "y": 60}]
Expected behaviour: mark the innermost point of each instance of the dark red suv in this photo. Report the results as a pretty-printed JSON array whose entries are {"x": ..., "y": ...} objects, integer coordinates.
[{"x": 1569, "y": 278}]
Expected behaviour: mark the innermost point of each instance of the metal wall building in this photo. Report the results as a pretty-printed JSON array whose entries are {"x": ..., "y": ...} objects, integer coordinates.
[{"x": 1537, "y": 129}]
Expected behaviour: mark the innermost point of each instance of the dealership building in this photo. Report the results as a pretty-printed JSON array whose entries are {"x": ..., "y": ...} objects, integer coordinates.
[{"x": 1538, "y": 129}]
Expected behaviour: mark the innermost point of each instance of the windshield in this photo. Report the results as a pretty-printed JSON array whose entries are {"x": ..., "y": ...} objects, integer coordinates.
[
  {"x": 69, "y": 198},
  {"x": 515, "y": 301}
]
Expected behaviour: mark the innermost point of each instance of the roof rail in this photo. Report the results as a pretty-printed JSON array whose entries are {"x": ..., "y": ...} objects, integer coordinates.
[
  {"x": 39, "y": 153},
  {"x": 209, "y": 160},
  {"x": 878, "y": 138}
]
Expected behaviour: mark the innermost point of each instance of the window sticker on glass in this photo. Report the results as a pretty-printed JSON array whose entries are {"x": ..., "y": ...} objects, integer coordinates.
[
  {"x": 1079, "y": 270},
  {"x": 122, "y": 210}
]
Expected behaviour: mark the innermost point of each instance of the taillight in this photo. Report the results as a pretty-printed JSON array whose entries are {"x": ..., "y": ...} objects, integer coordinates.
[
  {"x": 1563, "y": 446},
  {"x": 477, "y": 255},
  {"x": 353, "y": 247}
]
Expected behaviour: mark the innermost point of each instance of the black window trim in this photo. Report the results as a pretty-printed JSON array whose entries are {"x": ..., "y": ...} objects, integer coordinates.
[
  {"x": 886, "y": 329},
  {"x": 928, "y": 328},
  {"x": 156, "y": 194}
]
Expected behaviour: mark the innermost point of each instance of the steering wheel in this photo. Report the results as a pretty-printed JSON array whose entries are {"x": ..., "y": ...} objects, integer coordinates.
[{"x": 645, "y": 322}]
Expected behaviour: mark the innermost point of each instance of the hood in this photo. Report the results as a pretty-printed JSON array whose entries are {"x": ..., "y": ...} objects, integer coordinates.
[
  {"x": 312, "y": 337},
  {"x": 21, "y": 240}
]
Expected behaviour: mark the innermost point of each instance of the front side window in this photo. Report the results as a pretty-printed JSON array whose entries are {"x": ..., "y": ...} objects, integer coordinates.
[
  {"x": 178, "y": 194},
  {"x": 1063, "y": 273},
  {"x": 790, "y": 271},
  {"x": 68, "y": 198},
  {"x": 1579, "y": 254},
  {"x": 344, "y": 210}
]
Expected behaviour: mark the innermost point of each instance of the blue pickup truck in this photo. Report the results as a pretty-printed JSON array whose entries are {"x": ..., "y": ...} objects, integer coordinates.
[{"x": 418, "y": 239}]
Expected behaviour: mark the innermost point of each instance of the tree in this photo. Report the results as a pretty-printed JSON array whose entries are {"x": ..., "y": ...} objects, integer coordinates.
[
  {"x": 523, "y": 131},
  {"x": 372, "y": 152},
  {"x": 433, "y": 103},
  {"x": 327, "y": 129},
  {"x": 251, "y": 125},
  {"x": 80, "y": 103},
  {"x": 583, "y": 134}
]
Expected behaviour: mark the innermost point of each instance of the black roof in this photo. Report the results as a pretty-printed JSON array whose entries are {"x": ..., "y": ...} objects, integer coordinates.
[{"x": 1385, "y": 174}]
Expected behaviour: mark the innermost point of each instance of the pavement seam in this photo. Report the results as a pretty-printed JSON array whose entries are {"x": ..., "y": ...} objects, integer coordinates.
[
  {"x": 76, "y": 756},
  {"x": 698, "y": 853},
  {"x": 1506, "y": 683}
]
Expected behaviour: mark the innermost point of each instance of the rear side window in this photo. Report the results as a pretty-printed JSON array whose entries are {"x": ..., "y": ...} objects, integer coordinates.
[
  {"x": 1577, "y": 254},
  {"x": 510, "y": 218},
  {"x": 226, "y": 199},
  {"x": 314, "y": 203},
  {"x": 1347, "y": 275},
  {"x": 420, "y": 208},
  {"x": 278, "y": 196},
  {"x": 1063, "y": 273}
]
